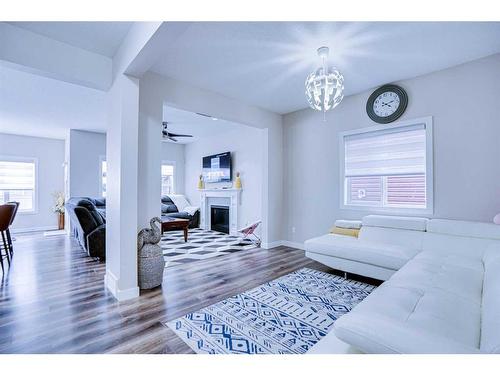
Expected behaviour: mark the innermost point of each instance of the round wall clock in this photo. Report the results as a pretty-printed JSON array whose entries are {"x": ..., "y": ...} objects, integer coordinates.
[{"x": 386, "y": 104}]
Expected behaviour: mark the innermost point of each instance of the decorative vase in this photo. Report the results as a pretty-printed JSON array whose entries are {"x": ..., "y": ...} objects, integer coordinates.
[
  {"x": 237, "y": 183},
  {"x": 200, "y": 182},
  {"x": 61, "y": 221},
  {"x": 150, "y": 256}
]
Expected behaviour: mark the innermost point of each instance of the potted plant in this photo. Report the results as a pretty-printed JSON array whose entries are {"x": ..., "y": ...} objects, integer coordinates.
[{"x": 59, "y": 208}]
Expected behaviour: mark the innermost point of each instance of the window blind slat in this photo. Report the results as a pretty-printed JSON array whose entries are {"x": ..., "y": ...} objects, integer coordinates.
[{"x": 386, "y": 153}]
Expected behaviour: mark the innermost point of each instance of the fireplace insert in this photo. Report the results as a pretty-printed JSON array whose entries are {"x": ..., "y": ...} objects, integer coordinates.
[{"x": 219, "y": 219}]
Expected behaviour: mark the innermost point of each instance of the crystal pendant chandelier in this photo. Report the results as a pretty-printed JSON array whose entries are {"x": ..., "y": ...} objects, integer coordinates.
[{"x": 325, "y": 86}]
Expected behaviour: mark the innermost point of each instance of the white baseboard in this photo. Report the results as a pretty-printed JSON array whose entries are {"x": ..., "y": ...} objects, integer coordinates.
[
  {"x": 34, "y": 229},
  {"x": 111, "y": 282},
  {"x": 295, "y": 245},
  {"x": 271, "y": 245},
  {"x": 52, "y": 233}
]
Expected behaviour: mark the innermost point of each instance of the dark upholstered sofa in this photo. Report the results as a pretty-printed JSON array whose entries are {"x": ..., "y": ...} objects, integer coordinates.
[
  {"x": 88, "y": 221},
  {"x": 169, "y": 209},
  {"x": 88, "y": 224}
]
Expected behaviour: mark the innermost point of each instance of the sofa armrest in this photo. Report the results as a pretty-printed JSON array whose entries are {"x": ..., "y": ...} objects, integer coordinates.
[
  {"x": 377, "y": 334},
  {"x": 96, "y": 242}
]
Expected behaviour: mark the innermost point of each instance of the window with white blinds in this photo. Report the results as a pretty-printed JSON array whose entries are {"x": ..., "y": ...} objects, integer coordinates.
[
  {"x": 167, "y": 179},
  {"x": 388, "y": 168},
  {"x": 18, "y": 183}
]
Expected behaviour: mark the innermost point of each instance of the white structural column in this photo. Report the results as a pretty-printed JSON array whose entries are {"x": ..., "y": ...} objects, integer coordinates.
[
  {"x": 150, "y": 136},
  {"x": 121, "y": 203},
  {"x": 123, "y": 146}
]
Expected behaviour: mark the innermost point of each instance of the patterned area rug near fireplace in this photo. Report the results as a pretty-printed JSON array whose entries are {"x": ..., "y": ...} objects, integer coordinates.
[
  {"x": 284, "y": 316},
  {"x": 202, "y": 244}
]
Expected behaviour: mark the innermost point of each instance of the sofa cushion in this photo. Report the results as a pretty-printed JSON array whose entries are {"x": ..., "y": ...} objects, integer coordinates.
[
  {"x": 168, "y": 208},
  {"x": 376, "y": 334},
  {"x": 178, "y": 215},
  {"x": 464, "y": 228},
  {"x": 432, "y": 298},
  {"x": 456, "y": 275},
  {"x": 88, "y": 203},
  {"x": 396, "y": 222},
  {"x": 490, "y": 322},
  {"x": 377, "y": 254}
]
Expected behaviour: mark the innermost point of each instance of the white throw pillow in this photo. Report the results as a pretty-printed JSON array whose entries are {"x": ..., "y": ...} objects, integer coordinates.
[{"x": 180, "y": 201}]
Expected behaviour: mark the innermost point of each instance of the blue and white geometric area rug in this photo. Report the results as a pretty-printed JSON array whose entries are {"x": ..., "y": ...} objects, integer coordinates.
[{"x": 284, "y": 316}]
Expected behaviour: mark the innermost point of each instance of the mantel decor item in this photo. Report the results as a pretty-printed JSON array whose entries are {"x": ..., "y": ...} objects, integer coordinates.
[
  {"x": 200, "y": 182},
  {"x": 59, "y": 208},
  {"x": 150, "y": 256},
  {"x": 237, "y": 183},
  {"x": 324, "y": 86}
]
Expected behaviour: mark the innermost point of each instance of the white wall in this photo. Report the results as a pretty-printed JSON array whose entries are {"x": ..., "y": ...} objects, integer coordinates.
[
  {"x": 246, "y": 145},
  {"x": 86, "y": 150},
  {"x": 189, "y": 98},
  {"x": 50, "y": 176},
  {"x": 464, "y": 102},
  {"x": 173, "y": 152}
]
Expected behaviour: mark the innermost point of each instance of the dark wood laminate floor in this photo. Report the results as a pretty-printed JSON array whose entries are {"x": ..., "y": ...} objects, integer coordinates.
[{"x": 53, "y": 298}]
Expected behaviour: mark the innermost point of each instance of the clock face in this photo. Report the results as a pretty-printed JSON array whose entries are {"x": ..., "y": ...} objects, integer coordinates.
[{"x": 386, "y": 104}]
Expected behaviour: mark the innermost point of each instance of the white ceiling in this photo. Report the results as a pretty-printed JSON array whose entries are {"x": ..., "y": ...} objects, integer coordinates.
[
  {"x": 44, "y": 107},
  {"x": 103, "y": 38},
  {"x": 184, "y": 122},
  {"x": 266, "y": 63}
]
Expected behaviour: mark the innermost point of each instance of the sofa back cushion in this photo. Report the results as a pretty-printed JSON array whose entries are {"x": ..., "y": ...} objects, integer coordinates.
[
  {"x": 463, "y": 238},
  {"x": 100, "y": 202},
  {"x": 396, "y": 222},
  {"x": 394, "y": 230},
  {"x": 166, "y": 199},
  {"x": 490, "y": 314}
]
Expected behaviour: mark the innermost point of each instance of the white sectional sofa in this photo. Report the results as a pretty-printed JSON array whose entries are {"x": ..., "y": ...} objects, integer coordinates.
[{"x": 442, "y": 293}]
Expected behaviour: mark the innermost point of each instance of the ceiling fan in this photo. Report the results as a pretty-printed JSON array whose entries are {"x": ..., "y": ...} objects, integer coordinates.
[{"x": 171, "y": 136}]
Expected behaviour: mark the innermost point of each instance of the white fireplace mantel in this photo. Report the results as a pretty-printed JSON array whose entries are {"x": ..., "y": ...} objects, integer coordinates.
[{"x": 225, "y": 197}]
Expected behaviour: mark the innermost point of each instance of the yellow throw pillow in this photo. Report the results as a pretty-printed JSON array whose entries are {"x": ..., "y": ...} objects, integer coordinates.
[{"x": 345, "y": 231}]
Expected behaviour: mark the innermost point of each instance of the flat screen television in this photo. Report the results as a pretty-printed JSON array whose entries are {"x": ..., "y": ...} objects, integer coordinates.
[{"x": 217, "y": 168}]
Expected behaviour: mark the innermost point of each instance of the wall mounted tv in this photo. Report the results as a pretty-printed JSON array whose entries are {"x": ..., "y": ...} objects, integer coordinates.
[{"x": 217, "y": 168}]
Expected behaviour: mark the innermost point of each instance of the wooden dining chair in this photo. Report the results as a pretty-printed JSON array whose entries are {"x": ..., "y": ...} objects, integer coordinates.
[{"x": 7, "y": 211}]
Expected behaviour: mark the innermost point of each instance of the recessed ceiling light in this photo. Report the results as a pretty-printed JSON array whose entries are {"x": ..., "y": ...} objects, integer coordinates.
[{"x": 214, "y": 118}]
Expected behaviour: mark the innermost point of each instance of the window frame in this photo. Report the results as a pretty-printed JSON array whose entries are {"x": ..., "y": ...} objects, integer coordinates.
[
  {"x": 26, "y": 159},
  {"x": 429, "y": 170},
  {"x": 174, "y": 179}
]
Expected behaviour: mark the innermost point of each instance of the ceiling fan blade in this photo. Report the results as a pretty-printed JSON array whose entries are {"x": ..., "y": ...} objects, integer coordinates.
[
  {"x": 179, "y": 135},
  {"x": 172, "y": 139}
]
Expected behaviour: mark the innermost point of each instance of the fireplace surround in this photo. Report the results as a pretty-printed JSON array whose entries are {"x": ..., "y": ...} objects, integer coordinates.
[{"x": 220, "y": 197}]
